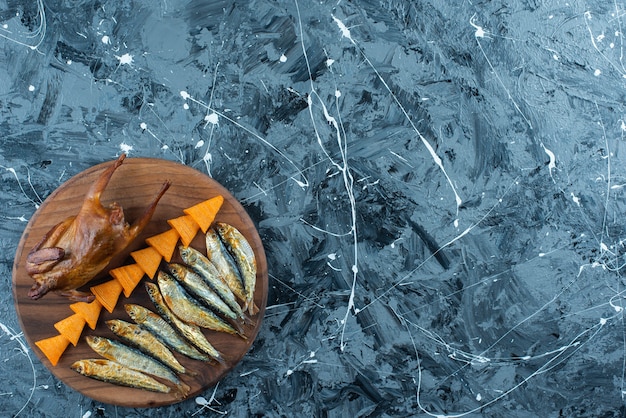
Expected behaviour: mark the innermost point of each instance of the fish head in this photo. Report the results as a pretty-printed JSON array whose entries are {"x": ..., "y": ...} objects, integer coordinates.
[
  {"x": 80, "y": 366},
  {"x": 164, "y": 279},
  {"x": 152, "y": 289},
  {"x": 136, "y": 312},
  {"x": 188, "y": 254},
  {"x": 113, "y": 324},
  {"x": 97, "y": 343},
  {"x": 175, "y": 268}
]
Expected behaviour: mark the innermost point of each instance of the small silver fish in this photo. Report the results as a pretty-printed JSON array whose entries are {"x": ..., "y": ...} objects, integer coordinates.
[
  {"x": 159, "y": 327},
  {"x": 113, "y": 372},
  {"x": 134, "y": 359},
  {"x": 201, "y": 264},
  {"x": 191, "y": 332},
  {"x": 187, "y": 309},
  {"x": 146, "y": 342},
  {"x": 242, "y": 253},
  {"x": 224, "y": 263},
  {"x": 200, "y": 289}
]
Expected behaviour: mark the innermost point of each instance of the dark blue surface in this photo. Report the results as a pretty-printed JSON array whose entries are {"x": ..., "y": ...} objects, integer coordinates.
[{"x": 439, "y": 187}]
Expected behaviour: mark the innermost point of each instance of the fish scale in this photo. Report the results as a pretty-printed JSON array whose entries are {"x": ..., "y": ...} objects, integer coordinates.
[
  {"x": 196, "y": 285},
  {"x": 113, "y": 372},
  {"x": 145, "y": 341},
  {"x": 224, "y": 263},
  {"x": 185, "y": 308},
  {"x": 241, "y": 251},
  {"x": 134, "y": 359},
  {"x": 191, "y": 332},
  {"x": 159, "y": 326},
  {"x": 201, "y": 264}
]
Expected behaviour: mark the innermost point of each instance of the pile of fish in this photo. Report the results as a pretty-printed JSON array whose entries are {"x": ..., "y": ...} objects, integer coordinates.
[{"x": 204, "y": 292}]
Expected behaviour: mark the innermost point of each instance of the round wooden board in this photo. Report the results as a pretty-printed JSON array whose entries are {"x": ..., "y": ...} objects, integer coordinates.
[{"x": 133, "y": 186}]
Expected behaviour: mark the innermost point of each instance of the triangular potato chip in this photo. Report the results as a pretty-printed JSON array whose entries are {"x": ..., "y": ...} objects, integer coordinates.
[
  {"x": 71, "y": 327},
  {"x": 108, "y": 293},
  {"x": 53, "y": 347},
  {"x": 128, "y": 276},
  {"x": 186, "y": 228},
  {"x": 89, "y": 311},
  {"x": 204, "y": 212},
  {"x": 148, "y": 259},
  {"x": 164, "y": 243}
]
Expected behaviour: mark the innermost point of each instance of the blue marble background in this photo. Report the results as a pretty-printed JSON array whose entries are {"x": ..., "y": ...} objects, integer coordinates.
[{"x": 439, "y": 187}]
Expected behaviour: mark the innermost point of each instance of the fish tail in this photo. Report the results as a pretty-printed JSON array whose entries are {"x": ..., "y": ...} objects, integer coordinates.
[
  {"x": 251, "y": 307},
  {"x": 247, "y": 320},
  {"x": 183, "y": 389},
  {"x": 219, "y": 359},
  {"x": 239, "y": 328}
]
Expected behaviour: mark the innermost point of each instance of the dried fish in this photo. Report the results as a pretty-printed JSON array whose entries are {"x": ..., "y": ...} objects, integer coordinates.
[
  {"x": 145, "y": 341},
  {"x": 159, "y": 327},
  {"x": 201, "y": 264},
  {"x": 113, "y": 372},
  {"x": 200, "y": 289},
  {"x": 242, "y": 253},
  {"x": 135, "y": 359},
  {"x": 192, "y": 333},
  {"x": 224, "y": 263},
  {"x": 186, "y": 308}
]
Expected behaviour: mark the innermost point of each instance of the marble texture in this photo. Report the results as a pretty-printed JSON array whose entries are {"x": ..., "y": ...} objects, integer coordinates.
[{"x": 439, "y": 187}]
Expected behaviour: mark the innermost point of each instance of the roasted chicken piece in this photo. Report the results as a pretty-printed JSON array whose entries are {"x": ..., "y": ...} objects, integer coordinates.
[{"x": 78, "y": 248}]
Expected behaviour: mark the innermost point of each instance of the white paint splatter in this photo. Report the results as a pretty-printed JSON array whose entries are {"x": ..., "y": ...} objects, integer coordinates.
[
  {"x": 424, "y": 141},
  {"x": 597, "y": 72},
  {"x": 302, "y": 183},
  {"x": 125, "y": 59},
  {"x": 31, "y": 88},
  {"x": 106, "y": 40},
  {"x": 124, "y": 147},
  {"x": 199, "y": 144},
  {"x": 212, "y": 118},
  {"x": 552, "y": 163},
  {"x": 345, "y": 32},
  {"x": 283, "y": 58},
  {"x": 479, "y": 33}
]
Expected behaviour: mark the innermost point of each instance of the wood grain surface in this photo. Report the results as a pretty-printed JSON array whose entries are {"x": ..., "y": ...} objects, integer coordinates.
[{"x": 133, "y": 186}]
